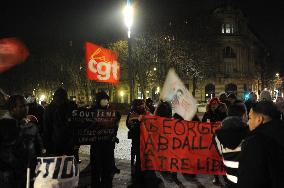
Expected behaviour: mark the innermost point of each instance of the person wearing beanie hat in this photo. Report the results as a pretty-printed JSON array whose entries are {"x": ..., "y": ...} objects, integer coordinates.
[
  {"x": 265, "y": 96},
  {"x": 102, "y": 151},
  {"x": 102, "y": 100}
]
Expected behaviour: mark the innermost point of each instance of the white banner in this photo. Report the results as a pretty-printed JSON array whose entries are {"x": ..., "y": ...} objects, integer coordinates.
[
  {"x": 174, "y": 91},
  {"x": 57, "y": 172}
]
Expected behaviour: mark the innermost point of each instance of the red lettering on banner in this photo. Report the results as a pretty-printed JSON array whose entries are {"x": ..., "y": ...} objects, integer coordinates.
[{"x": 179, "y": 146}]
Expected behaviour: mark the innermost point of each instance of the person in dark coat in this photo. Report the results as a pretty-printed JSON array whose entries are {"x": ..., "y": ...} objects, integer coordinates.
[
  {"x": 3, "y": 99},
  {"x": 150, "y": 105},
  {"x": 32, "y": 144},
  {"x": 57, "y": 133},
  {"x": 102, "y": 152},
  {"x": 137, "y": 108},
  {"x": 216, "y": 111},
  {"x": 251, "y": 101},
  {"x": 224, "y": 99},
  {"x": 228, "y": 140},
  {"x": 145, "y": 178},
  {"x": 12, "y": 160},
  {"x": 36, "y": 110},
  {"x": 232, "y": 98},
  {"x": 261, "y": 160}
]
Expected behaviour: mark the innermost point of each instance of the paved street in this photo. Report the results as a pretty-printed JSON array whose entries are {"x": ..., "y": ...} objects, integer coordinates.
[{"x": 122, "y": 155}]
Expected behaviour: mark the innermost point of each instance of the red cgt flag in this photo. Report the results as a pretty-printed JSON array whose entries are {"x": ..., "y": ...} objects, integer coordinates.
[
  {"x": 101, "y": 63},
  {"x": 12, "y": 52}
]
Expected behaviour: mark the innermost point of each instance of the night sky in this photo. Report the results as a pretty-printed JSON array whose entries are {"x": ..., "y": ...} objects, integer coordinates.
[{"x": 100, "y": 21}]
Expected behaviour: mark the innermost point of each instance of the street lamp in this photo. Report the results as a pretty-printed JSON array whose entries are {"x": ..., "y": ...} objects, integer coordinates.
[
  {"x": 121, "y": 93},
  {"x": 128, "y": 17},
  {"x": 128, "y": 20}
]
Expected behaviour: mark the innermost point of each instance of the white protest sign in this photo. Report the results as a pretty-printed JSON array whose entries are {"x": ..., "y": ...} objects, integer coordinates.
[
  {"x": 174, "y": 91},
  {"x": 57, "y": 172}
]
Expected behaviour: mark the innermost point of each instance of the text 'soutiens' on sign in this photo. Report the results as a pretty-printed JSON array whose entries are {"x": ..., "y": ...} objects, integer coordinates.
[
  {"x": 179, "y": 146},
  {"x": 94, "y": 125}
]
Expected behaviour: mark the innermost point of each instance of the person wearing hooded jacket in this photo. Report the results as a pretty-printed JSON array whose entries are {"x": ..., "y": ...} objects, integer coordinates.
[
  {"x": 261, "y": 159},
  {"x": 137, "y": 108},
  {"x": 102, "y": 152},
  {"x": 12, "y": 160},
  {"x": 216, "y": 111},
  {"x": 57, "y": 133},
  {"x": 228, "y": 140}
]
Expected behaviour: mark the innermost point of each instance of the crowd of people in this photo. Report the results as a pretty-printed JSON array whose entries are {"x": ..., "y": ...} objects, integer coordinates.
[
  {"x": 250, "y": 139},
  {"x": 28, "y": 130}
]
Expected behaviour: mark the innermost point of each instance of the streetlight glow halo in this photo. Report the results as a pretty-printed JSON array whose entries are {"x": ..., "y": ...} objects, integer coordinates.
[{"x": 128, "y": 15}]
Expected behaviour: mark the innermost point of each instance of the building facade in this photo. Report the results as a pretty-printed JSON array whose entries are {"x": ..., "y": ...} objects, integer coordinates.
[{"x": 240, "y": 55}]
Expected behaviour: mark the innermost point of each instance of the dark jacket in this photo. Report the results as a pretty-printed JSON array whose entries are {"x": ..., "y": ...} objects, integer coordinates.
[
  {"x": 37, "y": 110},
  {"x": 10, "y": 157},
  {"x": 31, "y": 141},
  {"x": 261, "y": 160},
  {"x": 133, "y": 127},
  {"x": 228, "y": 140},
  {"x": 213, "y": 117},
  {"x": 57, "y": 131},
  {"x": 249, "y": 104}
]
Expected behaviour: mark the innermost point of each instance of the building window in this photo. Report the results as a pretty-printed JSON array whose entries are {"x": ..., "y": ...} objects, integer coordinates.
[
  {"x": 228, "y": 52},
  {"x": 228, "y": 28}
]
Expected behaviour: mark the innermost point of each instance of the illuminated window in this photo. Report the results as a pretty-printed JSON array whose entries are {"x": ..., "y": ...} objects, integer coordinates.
[{"x": 228, "y": 28}]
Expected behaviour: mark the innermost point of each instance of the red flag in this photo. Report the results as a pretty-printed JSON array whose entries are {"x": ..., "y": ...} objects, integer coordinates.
[
  {"x": 12, "y": 52},
  {"x": 101, "y": 63}
]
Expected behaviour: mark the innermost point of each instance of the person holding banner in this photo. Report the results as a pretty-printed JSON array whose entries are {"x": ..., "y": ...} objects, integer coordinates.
[
  {"x": 140, "y": 179},
  {"x": 102, "y": 151},
  {"x": 215, "y": 111},
  {"x": 164, "y": 109},
  {"x": 132, "y": 123}
]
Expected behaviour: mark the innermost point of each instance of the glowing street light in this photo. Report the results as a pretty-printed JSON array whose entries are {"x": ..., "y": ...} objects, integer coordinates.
[
  {"x": 121, "y": 93},
  {"x": 128, "y": 20},
  {"x": 128, "y": 17},
  {"x": 42, "y": 98}
]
